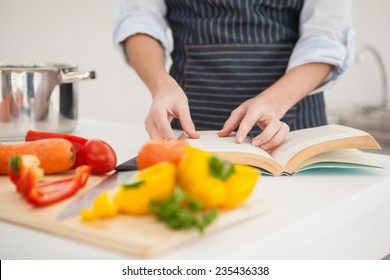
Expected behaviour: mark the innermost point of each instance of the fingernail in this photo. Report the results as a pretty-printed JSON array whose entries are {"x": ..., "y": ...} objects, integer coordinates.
[
  {"x": 239, "y": 139},
  {"x": 264, "y": 147},
  {"x": 256, "y": 143}
]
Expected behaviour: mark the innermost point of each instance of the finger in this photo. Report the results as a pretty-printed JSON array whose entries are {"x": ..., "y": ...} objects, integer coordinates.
[
  {"x": 152, "y": 130},
  {"x": 164, "y": 127},
  {"x": 270, "y": 128},
  {"x": 186, "y": 122},
  {"x": 278, "y": 138},
  {"x": 232, "y": 122},
  {"x": 246, "y": 125}
]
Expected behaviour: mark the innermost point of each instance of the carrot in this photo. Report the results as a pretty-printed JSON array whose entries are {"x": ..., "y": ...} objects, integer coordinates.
[{"x": 56, "y": 155}]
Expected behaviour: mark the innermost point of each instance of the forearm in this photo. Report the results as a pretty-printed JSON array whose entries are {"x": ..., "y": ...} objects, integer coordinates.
[
  {"x": 294, "y": 86},
  {"x": 146, "y": 56}
]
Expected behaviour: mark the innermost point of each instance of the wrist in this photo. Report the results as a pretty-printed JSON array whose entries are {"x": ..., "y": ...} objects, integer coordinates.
[
  {"x": 275, "y": 103},
  {"x": 294, "y": 86},
  {"x": 162, "y": 80}
]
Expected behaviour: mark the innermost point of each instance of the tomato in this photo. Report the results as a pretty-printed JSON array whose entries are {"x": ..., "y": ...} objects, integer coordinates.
[
  {"x": 99, "y": 155},
  {"x": 156, "y": 151}
]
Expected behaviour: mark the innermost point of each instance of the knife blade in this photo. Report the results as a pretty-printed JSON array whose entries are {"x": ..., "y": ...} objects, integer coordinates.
[{"x": 85, "y": 200}]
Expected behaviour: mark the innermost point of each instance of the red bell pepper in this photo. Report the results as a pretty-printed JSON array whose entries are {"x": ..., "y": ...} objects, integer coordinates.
[
  {"x": 51, "y": 192},
  {"x": 77, "y": 141},
  {"x": 25, "y": 174}
]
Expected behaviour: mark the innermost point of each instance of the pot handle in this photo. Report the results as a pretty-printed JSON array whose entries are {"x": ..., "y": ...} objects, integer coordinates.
[{"x": 70, "y": 77}]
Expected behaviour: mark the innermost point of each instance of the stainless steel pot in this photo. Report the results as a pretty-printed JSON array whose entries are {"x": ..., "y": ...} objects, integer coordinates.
[{"x": 40, "y": 97}]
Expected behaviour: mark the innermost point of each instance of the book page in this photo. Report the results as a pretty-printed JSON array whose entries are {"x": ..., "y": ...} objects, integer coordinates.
[
  {"x": 210, "y": 141},
  {"x": 299, "y": 140},
  {"x": 349, "y": 156}
]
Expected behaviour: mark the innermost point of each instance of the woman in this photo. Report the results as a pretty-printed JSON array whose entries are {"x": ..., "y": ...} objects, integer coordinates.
[{"x": 258, "y": 66}]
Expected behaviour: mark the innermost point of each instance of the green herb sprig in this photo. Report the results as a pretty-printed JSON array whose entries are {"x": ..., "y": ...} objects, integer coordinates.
[
  {"x": 220, "y": 169},
  {"x": 181, "y": 212}
]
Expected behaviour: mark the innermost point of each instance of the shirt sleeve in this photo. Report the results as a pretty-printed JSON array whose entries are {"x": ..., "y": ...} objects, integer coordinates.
[
  {"x": 327, "y": 36},
  {"x": 140, "y": 16}
]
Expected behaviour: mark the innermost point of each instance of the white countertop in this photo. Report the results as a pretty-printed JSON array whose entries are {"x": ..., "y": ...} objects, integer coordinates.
[{"x": 328, "y": 214}]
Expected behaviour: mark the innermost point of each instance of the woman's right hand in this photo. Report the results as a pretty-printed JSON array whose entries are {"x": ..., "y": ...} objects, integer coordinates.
[
  {"x": 146, "y": 55},
  {"x": 169, "y": 101}
]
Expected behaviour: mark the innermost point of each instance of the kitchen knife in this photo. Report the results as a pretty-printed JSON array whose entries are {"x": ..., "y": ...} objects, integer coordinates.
[
  {"x": 131, "y": 164},
  {"x": 123, "y": 172}
]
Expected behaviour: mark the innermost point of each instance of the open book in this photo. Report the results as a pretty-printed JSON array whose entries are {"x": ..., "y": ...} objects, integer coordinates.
[{"x": 324, "y": 146}]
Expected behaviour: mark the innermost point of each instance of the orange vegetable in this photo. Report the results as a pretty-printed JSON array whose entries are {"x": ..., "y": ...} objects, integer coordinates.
[
  {"x": 156, "y": 151},
  {"x": 55, "y": 155}
]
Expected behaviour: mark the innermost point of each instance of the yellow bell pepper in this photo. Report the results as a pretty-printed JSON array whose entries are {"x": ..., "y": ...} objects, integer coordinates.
[
  {"x": 213, "y": 181},
  {"x": 240, "y": 185},
  {"x": 192, "y": 167},
  {"x": 102, "y": 208},
  {"x": 156, "y": 182}
]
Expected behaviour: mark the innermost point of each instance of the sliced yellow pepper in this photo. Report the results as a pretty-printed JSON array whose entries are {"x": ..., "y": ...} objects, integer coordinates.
[
  {"x": 102, "y": 208},
  {"x": 156, "y": 182}
]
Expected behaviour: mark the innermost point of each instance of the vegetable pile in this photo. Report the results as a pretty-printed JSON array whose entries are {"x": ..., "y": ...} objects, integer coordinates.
[
  {"x": 43, "y": 153},
  {"x": 182, "y": 186},
  {"x": 93, "y": 152}
]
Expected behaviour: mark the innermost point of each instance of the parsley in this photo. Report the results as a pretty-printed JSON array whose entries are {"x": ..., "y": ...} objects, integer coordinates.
[
  {"x": 181, "y": 212},
  {"x": 219, "y": 168}
]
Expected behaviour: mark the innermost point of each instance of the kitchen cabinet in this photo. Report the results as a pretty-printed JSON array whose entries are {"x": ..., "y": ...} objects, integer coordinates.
[{"x": 319, "y": 214}]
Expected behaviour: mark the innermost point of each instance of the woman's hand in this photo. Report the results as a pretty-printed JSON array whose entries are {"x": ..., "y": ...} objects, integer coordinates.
[
  {"x": 169, "y": 101},
  {"x": 146, "y": 55},
  {"x": 256, "y": 111},
  {"x": 267, "y": 108}
]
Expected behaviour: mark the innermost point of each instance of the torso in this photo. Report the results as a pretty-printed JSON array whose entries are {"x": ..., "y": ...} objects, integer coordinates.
[{"x": 227, "y": 51}]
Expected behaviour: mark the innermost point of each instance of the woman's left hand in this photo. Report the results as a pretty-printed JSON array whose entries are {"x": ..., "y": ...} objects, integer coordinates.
[{"x": 257, "y": 111}]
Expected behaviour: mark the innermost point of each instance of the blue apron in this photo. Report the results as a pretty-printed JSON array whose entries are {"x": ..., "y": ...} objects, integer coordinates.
[{"x": 228, "y": 51}]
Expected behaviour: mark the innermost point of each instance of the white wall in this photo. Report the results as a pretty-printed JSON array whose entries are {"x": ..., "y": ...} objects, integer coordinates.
[
  {"x": 79, "y": 31},
  {"x": 75, "y": 31},
  {"x": 362, "y": 85}
]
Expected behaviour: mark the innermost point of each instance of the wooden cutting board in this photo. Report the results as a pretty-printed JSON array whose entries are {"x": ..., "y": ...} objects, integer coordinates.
[{"x": 140, "y": 236}]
